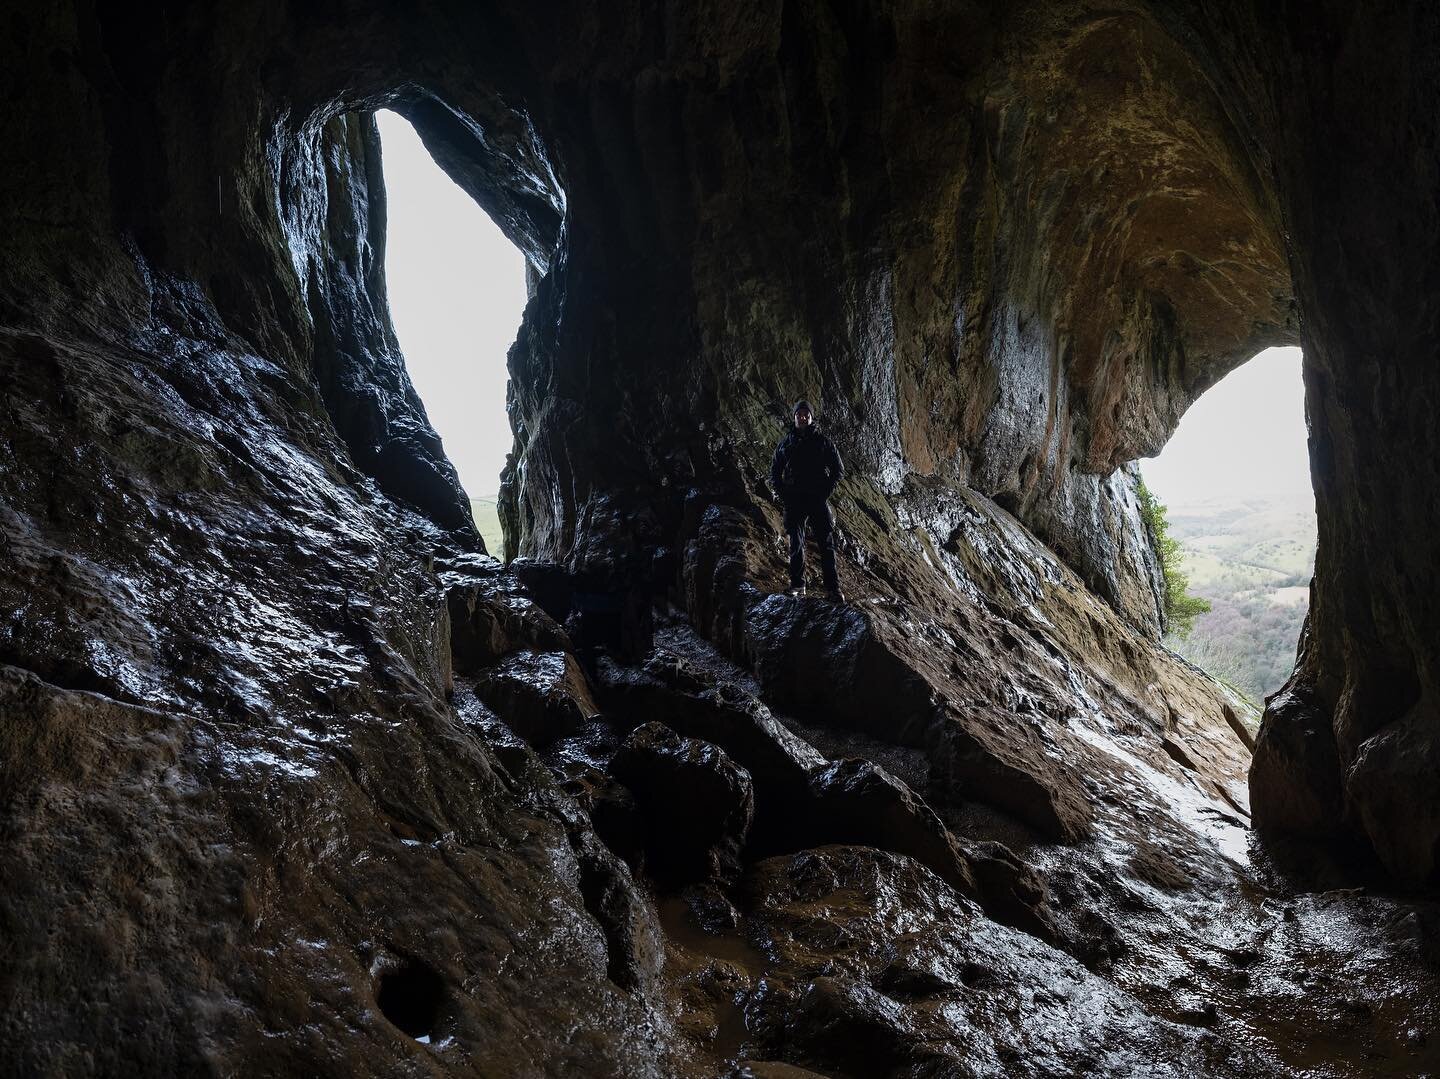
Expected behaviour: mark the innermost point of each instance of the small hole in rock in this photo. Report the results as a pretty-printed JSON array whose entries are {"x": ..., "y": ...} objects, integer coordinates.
[
  {"x": 976, "y": 976},
  {"x": 410, "y": 997}
]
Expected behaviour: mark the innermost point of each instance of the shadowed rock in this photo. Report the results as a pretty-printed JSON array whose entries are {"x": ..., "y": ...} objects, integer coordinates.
[
  {"x": 1021, "y": 780},
  {"x": 1294, "y": 783},
  {"x": 769, "y": 1069},
  {"x": 617, "y": 818},
  {"x": 1010, "y": 891},
  {"x": 491, "y": 616},
  {"x": 697, "y": 804},
  {"x": 877, "y": 966},
  {"x": 858, "y": 802},
  {"x": 543, "y": 696},
  {"x": 663, "y": 690},
  {"x": 801, "y": 799}
]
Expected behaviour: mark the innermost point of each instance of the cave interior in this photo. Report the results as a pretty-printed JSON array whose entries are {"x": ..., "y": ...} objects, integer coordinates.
[{"x": 297, "y": 778}]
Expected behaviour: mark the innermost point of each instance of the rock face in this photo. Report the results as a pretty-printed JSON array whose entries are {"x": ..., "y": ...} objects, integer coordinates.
[
  {"x": 696, "y": 802},
  {"x": 294, "y": 779},
  {"x": 1355, "y": 731}
]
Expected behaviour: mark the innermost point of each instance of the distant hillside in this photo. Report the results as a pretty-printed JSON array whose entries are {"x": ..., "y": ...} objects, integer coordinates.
[
  {"x": 487, "y": 519},
  {"x": 1252, "y": 558}
]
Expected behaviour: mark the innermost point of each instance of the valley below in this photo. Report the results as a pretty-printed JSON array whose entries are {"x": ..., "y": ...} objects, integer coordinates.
[{"x": 1251, "y": 557}]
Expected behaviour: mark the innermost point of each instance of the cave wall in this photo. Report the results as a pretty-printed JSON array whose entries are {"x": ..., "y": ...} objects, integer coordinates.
[
  {"x": 1347, "y": 751},
  {"x": 1002, "y": 250},
  {"x": 943, "y": 294},
  {"x": 224, "y": 654}
]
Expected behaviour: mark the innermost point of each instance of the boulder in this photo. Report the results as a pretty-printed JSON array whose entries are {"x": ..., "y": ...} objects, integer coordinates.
[
  {"x": 543, "y": 696},
  {"x": 697, "y": 802},
  {"x": 839, "y": 665},
  {"x": 1010, "y": 891},
  {"x": 844, "y": 1025},
  {"x": 1393, "y": 780},
  {"x": 612, "y": 809},
  {"x": 1013, "y": 772},
  {"x": 876, "y": 967},
  {"x": 857, "y": 801},
  {"x": 1295, "y": 774},
  {"x": 492, "y": 614},
  {"x": 665, "y": 690},
  {"x": 634, "y": 949}
]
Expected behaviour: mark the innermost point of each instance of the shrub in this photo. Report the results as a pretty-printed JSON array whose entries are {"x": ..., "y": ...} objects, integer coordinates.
[{"x": 1180, "y": 607}]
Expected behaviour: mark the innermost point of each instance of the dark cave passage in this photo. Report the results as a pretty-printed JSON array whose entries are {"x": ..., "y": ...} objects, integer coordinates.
[
  {"x": 456, "y": 290},
  {"x": 1234, "y": 495}
]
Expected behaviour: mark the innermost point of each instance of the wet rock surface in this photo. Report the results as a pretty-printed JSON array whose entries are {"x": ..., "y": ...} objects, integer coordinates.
[
  {"x": 878, "y": 969},
  {"x": 696, "y": 802},
  {"x": 857, "y": 801},
  {"x": 543, "y": 696},
  {"x": 295, "y": 779}
]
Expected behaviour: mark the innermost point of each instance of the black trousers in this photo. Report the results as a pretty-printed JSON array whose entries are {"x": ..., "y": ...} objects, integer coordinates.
[{"x": 816, "y": 514}]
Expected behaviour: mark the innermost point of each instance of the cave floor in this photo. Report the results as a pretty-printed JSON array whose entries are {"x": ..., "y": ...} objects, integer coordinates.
[{"x": 1272, "y": 952}]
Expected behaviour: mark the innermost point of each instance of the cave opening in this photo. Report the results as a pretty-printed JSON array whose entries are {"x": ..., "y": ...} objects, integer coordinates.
[
  {"x": 1234, "y": 497},
  {"x": 457, "y": 290}
]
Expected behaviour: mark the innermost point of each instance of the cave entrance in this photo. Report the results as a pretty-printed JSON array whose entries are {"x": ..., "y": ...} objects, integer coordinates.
[
  {"x": 1234, "y": 484},
  {"x": 457, "y": 292}
]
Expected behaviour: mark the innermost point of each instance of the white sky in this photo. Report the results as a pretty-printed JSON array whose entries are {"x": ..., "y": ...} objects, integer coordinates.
[
  {"x": 1245, "y": 436},
  {"x": 457, "y": 291}
]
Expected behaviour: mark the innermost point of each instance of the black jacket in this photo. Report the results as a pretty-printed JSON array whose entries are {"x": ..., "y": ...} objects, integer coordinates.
[{"x": 806, "y": 466}]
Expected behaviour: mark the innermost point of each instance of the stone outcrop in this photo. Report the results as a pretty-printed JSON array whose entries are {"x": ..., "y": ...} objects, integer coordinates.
[
  {"x": 697, "y": 804},
  {"x": 295, "y": 779},
  {"x": 904, "y": 993},
  {"x": 543, "y": 696}
]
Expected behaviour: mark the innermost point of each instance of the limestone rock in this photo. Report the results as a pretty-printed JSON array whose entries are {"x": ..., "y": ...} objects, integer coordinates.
[
  {"x": 698, "y": 804},
  {"x": 1025, "y": 782},
  {"x": 1011, "y": 892},
  {"x": 1389, "y": 782},
  {"x": 858, "y": 802},
  {"x": 1294, "y": 780},
  {"x": 779, "y": 763},
  {"x": 543, "y": 696},
  {"x": 616, "y": 816},
  {"x": 878, "y": 967},
  {"x": 1001, "y": 247},
  {"x": 491, "y": 616}
]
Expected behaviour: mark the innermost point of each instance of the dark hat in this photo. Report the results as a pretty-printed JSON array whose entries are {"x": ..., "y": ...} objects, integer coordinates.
[{"x": 802, "y": 406}]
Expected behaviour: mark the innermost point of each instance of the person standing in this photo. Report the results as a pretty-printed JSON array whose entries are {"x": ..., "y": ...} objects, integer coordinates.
[{"x": 805, "y": 472}]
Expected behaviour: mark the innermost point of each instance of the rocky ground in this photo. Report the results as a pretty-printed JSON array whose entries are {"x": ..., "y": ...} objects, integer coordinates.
[
  {"x": 835, "y": 893},
  {"x": 402, "y": 808},
  {"x": 427, "y": 811}
]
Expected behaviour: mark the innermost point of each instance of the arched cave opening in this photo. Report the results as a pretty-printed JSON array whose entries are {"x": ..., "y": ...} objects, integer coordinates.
[
  {"x": 456, "y": 289},
  {"x": 1231, "y": 493}
]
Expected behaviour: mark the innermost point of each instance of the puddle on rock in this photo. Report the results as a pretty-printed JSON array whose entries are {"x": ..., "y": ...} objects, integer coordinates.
[{"x": 713, "y": 973}]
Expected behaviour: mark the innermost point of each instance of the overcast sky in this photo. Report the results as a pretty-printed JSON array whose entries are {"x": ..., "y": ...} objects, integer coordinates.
[
  {"x": 1245, "y": 436},
  {"x": 457, "y": 291}
]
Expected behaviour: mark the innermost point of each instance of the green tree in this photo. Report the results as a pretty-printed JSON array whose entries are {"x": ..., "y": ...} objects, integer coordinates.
[{"x": 1181, "y": 608}]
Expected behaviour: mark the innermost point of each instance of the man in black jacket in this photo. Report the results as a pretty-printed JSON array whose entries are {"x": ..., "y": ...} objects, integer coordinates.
[{"x": 805, "y": 471}]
